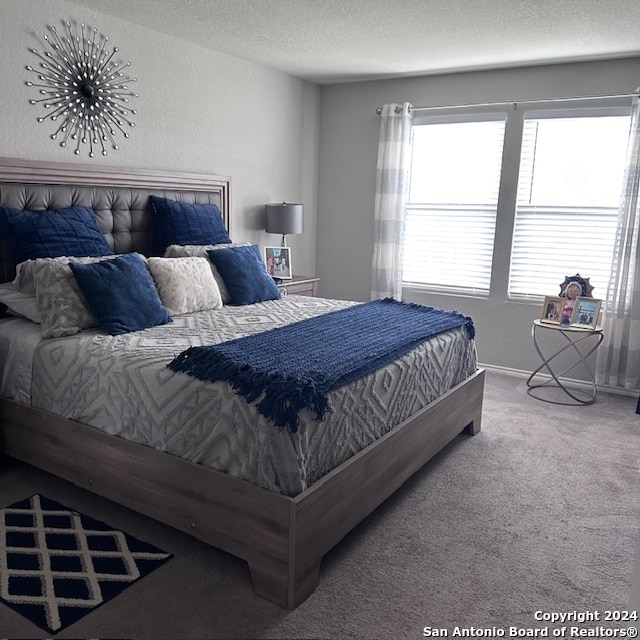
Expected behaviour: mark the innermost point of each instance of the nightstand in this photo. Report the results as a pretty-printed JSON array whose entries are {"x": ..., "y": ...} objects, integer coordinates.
[
  {"x": 299, "y": 285},
  {"x": 580, "y": 342}
]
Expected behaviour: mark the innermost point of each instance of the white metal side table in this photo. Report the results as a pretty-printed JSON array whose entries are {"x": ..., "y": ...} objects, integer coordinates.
[{"x": 580, "y": 344}]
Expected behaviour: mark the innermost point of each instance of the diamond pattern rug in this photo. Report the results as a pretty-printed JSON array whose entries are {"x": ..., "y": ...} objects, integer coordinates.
[{"x": 57, "y": 565}]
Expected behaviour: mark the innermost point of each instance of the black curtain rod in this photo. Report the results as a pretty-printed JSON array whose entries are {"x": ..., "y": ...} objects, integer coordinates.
[{"x": 513, "y": 103}]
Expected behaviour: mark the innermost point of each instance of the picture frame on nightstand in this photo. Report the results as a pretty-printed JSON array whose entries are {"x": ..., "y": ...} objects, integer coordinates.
[
  {"x": 278, "y": 262},
  {"x": 552, "y": 309},
  {"x": 586, "y": 312}
]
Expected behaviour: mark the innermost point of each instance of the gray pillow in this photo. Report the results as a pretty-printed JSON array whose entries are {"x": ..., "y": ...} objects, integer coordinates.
[
  {"x": 63, "y": 309},
  {"x": 25, "y": 278}
]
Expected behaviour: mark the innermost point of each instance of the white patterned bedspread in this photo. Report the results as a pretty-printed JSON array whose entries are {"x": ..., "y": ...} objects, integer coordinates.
[{"x": 121, "y": 385}]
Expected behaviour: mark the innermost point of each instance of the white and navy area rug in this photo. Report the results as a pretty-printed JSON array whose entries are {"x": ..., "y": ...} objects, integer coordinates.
[{"x": 57, "y": 565}]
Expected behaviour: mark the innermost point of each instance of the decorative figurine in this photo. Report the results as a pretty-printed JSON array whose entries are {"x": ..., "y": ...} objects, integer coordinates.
[{"x": 571, "y": 288}]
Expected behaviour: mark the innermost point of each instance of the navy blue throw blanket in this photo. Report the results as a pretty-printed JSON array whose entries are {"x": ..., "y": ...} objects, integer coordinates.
[{"x": 297, "y": 365}]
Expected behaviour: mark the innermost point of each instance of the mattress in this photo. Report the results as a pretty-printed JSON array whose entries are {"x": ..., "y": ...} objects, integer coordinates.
[{"x": 122, "y": 386}]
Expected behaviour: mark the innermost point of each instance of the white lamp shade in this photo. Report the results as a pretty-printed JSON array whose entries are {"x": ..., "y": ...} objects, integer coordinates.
[{"x": 284, "y": 218}]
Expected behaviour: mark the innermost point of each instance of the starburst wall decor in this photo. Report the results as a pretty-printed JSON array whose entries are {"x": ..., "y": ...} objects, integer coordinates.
[{"x": 84, "y": 88}]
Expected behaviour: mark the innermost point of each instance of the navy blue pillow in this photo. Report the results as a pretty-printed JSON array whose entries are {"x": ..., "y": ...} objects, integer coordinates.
[
  {"x": 72, "y": 231},
  {"x": 121, "y": 294},
  {"x": 244, "y": 274},
  {"x": 176, "y": 222}
]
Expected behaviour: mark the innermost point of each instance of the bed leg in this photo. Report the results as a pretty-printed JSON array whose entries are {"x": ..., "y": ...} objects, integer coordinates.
[
  {"x": 271, "y": 581},
  {"x": 304, "y": 585},
  {"x": 473, "y": 427}
]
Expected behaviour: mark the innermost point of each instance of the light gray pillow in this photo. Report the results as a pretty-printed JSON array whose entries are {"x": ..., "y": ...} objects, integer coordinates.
[
  {"x": 25, "y": 271},
  {"x": 200, "y": 250},
  {"x": 62, "y": 306},
  {"x": 18, "y": 303},
  {"x": 63, "y": 309},
  {"x": 185, "y": 284}
]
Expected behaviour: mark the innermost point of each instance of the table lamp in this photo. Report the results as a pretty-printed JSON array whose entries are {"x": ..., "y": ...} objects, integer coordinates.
[{"x": 284, "y": 218}]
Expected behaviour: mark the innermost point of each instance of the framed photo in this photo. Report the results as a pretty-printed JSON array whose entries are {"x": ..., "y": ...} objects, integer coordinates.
[
  {"x": 552, "y": 309},
  {"x": 586, "y": 312},
  {"x": 278, "y": 261}
]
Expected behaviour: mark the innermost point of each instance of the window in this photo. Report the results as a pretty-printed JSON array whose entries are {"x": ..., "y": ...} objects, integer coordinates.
[
  {"x": 545, "y": 183},
  {"x": 571, "y": 172},
  {"x": 451, "y": 214}
]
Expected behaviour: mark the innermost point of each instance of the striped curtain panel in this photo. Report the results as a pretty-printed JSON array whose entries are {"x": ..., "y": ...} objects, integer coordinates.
[
  {"x": 618, "y": 357},
  {"x": 392, "y": 184}
]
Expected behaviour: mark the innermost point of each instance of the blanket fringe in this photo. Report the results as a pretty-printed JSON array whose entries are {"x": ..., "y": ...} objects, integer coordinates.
[{"x": 282, "y": 396}]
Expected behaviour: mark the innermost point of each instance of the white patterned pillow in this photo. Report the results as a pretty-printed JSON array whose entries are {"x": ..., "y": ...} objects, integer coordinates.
[
  {"x": 62, "y": 306},
  {"x": 63, "y": 309},
  {"x": 25, "y": 280},
  {"x": 185, "y": 285},
  {"x": 200, "y": 250}
]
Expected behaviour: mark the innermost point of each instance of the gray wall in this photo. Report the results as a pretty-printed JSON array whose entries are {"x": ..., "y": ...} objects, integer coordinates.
[
  {"x": 198, "y": 111},
  {"x": 346, "y": 184}
]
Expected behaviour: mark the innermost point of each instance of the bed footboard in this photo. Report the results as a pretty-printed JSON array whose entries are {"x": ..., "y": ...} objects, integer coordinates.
[{"x": 283, "y": 539}]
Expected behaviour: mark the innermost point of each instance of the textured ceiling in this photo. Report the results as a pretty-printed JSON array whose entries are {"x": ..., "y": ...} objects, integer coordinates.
[{"x": 328, "y": 41}]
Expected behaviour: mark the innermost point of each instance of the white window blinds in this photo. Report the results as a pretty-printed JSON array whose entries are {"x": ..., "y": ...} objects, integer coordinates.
[
  {"x": 451, "y": 214},
  {"x": 571, "y": 173}
]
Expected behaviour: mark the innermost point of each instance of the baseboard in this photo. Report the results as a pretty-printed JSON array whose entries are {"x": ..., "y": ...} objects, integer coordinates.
[{"x": 519, "y": 373}]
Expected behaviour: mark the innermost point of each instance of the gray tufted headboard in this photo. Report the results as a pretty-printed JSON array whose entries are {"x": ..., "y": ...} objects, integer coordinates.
[{"x": 120, "y": 197}]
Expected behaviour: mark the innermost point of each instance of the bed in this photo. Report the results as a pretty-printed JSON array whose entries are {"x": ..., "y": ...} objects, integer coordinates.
[{"x": 280, "y": 522}]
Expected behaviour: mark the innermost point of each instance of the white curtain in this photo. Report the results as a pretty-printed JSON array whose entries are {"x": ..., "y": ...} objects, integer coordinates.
[
  {"x": 392, "y": 183},
  {"x": 618, "y": 357}
]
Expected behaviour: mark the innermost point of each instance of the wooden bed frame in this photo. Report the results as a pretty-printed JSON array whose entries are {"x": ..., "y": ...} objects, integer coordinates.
[{"x": 282, "y": 538}]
